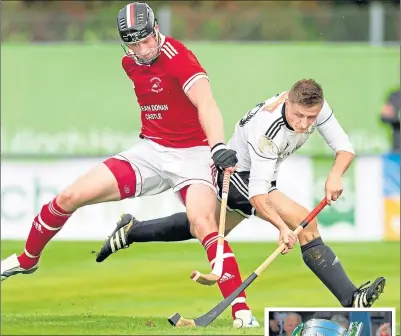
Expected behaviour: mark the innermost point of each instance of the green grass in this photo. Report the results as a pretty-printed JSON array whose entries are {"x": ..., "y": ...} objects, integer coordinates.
[
  {"x": 86, "y": 88},
  {"x": 134, "y": 291}
]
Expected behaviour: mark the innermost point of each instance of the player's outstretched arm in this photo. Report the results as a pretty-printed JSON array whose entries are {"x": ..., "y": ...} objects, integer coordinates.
[
  {"x": 264, "y": 153},
  {"x": 211, "y": 120},
  {"x": 339, "y": 142},
  {"x": 333, "y": 134},
  {"x": 267, "y": 212},
  {"x": 333, "y": 186},
  {"x": 342, "y": 161},
  {"x": 210, "y": 117}
]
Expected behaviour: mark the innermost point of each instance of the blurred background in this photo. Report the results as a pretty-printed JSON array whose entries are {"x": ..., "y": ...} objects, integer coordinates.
[{"x": 66, "y": 105}]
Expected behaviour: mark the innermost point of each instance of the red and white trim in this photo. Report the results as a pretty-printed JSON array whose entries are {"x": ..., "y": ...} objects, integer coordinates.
[
  {"x": 47, "y": 227},
  {"x": 151, "y": 137},
  {"x": 138, "y": 186},
  {"x": 224, "y": 256},
  {"x": 55, "y": 212},
  {"x": 31, "y": 255},
  {"x": 130, "y": 15},
  {"x": 191, "y": 80},
  {"x": 210, "y": 242},
  {"x": 169, "y": 50},
  {"x": 239, "y": 299},
  {"x": 181, "y": 185}
]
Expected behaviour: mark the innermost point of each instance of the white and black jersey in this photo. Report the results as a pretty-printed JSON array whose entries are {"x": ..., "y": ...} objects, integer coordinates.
[{"x": 263, "y": 139}]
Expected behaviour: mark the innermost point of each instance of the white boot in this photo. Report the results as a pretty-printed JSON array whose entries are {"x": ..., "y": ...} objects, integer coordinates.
[
  {"x": 10, "y": 266},
  {"x": 245, "y": 319}
]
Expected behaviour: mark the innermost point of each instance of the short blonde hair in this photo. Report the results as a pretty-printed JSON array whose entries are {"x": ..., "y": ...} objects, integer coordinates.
[{"x": 306, "y": 92}]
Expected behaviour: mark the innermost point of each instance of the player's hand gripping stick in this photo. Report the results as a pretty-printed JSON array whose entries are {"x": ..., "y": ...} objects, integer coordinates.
[{"x": 178, "y": 321}]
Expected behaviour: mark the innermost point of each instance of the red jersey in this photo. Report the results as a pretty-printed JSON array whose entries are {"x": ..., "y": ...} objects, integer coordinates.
[{"x": 167, "y": 114}]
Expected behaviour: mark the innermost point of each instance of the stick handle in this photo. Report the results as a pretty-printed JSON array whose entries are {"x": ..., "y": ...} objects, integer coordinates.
[
  {"x": 218, "y": 266},
  {"x": 223, "y": 209},
  {"x": 303, "y": 224},
  {"x": 313, "y": 214}
]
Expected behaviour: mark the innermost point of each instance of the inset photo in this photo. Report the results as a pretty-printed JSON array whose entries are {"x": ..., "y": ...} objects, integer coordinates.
[{"x": 330, "y": 322}]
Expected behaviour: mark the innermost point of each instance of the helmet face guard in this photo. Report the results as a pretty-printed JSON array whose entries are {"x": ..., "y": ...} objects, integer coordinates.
[
  {"x": 320, "y": 327},
  {"x": 135, "y": 23}
]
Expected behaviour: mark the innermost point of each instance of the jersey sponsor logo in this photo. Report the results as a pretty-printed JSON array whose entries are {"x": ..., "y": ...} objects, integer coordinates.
[
  {"x": 156, "y": 84},
  {"x": 250, "y": 114},
  {"x": 286, "y": 146},
  {"x": 266, "y": 146},
  {"x": 285, "y": 154},
  {"x": 152, "y": 108},
  {"x": 169, "y": 50},
  {"x": 153, "y": 116}
]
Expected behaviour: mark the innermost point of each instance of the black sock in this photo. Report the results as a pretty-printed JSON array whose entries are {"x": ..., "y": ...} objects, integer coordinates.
[
  {"x": 326, "y": 266},
  {"x": 172, "y": 228}
]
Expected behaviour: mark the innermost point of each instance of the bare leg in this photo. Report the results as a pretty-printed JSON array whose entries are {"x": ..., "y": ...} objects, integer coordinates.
[
  {"x": 317, "y": 256},
  {"x": 97, "y": 185},
  {"x": 201, "y": 210}
]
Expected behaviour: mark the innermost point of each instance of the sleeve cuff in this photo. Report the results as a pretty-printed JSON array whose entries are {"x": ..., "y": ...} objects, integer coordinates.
[
  {"x": 218, "y": 147},
  {"x": 191, "y": 81},
  {"x": 258, "y": 188},
  {"x": 346, "y": 148}
]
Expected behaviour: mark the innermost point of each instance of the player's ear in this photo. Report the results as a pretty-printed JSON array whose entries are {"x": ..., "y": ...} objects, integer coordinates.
[{"x": 289, "y": 104}]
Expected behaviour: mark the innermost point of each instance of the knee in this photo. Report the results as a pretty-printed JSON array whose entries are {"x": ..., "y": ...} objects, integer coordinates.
[
  {"x": 310, "y": 233},
  {"x": 202, "y": 225},
  {"x": 69, "y": 200}
]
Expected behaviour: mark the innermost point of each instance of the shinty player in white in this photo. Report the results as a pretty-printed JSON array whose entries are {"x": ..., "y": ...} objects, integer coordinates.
[
  {"x": 271, "y": 132},
  {"x": 263, "y": 138}
]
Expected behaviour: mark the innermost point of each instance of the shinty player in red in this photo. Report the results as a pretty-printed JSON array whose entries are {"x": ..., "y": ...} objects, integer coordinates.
[{"x": 181, "y": 137}]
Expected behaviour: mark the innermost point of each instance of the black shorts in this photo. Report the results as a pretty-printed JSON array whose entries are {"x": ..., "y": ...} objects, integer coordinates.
[{"x": 238, "y": 193}]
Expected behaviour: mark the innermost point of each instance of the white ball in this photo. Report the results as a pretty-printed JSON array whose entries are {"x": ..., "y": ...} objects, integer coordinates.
[{"x": 238, "y": 323}]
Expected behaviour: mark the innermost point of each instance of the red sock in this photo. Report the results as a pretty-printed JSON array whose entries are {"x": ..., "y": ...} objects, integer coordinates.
[
  {"x": 230, "y": 279},
  {"x": 44, "y": 227}
]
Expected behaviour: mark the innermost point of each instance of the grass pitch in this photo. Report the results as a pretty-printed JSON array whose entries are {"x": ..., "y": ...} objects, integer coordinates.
[{"x": 136, "y": 290}]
